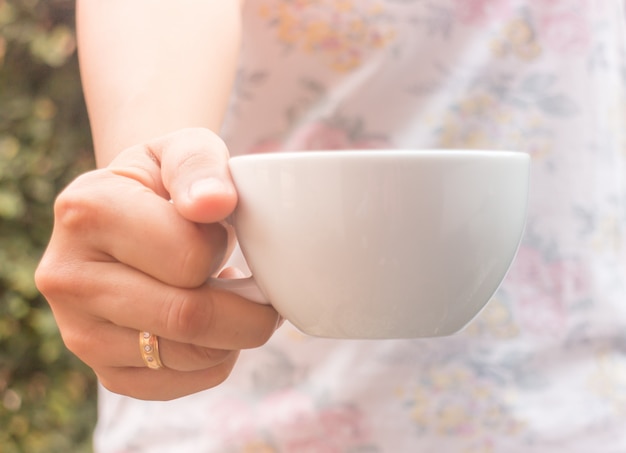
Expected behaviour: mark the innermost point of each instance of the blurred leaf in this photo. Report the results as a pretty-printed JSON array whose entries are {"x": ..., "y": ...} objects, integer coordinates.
[
  {"x": 16, "y": 306},
  {"x": 7, "y": 13},
  {"x": 47, "y": 396},
  {"x": 9, "y": 147},
  {"x": 43, "y": 322},
  {"x": 11, "y": 204}
]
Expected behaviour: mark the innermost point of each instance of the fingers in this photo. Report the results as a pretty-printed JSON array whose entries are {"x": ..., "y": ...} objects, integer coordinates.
[
  {"x": 101, "y": 306},
  {"x": 113, "y": 293},
  {"x": 124, "y": 259},
  {"x": 101, "y": 316},
  {"x": 198, "y": 348},
  {"x": 191, "y": 166},
  {"x": 104, "y": 217},
  {"x": 122, "y": 213},
  {"x": 104, "y": 345},
  {"x": 164, "y": 384}
]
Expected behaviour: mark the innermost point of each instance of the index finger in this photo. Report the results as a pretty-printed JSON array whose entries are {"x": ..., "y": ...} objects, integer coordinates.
[{"x": 202, "y": 316}]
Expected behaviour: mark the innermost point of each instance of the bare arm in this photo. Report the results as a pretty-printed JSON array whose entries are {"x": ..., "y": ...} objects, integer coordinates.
[
  {"x": 150, "y": 67},
  {"x": 122, "y": 259}
]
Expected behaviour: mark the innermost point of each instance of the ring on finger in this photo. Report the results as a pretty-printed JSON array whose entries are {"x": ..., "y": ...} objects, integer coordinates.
[{"x": 149, "y": 347}]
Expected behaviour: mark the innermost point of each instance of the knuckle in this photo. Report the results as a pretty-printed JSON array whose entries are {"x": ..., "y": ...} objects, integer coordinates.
[
  {"x": 75, "y": 209},
  {"x": 56, "y": 278},
  {"x": 46, "y": 278},
  {"x": 211, "y": 355},
  {"x": 57, "y": 272},
  {"x": 264, "y": 329},
  {"x": 188, "y": 316},
  {"x": 194, "y": 264},
  {"x": 202, "y": 254}
]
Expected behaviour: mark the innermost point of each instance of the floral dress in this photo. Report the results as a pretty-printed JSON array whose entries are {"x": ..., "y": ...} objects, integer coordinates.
[{"x": 543, "y": 367}]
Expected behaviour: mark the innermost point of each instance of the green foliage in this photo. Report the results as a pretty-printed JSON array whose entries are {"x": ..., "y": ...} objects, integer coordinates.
[{"x": 47, "y": 397}]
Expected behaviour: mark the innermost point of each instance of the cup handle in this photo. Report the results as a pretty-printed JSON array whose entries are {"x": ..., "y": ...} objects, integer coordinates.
[{"x": 245, "y": 287}]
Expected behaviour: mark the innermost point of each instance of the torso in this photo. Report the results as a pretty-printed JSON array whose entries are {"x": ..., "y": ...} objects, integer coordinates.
[{"x": 543, "y": 367}]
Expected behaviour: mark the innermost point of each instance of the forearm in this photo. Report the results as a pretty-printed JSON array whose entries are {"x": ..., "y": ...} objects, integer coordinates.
[{"x": 150, "y": 67}]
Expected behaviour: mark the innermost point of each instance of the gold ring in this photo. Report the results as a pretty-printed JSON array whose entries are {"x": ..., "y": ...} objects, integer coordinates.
[{"x": 149, "y": 347}]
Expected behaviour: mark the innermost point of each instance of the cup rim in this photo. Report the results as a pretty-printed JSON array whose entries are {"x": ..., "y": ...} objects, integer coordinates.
[{"x": 383, "y": 154}]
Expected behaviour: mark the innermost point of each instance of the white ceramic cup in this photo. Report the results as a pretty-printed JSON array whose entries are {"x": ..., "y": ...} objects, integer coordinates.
[{"x": 378, "y": 244}]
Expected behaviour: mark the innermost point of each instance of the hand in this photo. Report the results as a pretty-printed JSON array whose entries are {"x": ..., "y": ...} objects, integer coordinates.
[{"x": 123, "y": 259}]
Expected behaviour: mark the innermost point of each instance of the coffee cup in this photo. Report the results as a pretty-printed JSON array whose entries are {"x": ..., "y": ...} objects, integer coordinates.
[{"x": 366, "y": 244}]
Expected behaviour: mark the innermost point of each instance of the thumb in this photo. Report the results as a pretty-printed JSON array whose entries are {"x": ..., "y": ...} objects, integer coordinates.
[{"x": 194, "y": 170}]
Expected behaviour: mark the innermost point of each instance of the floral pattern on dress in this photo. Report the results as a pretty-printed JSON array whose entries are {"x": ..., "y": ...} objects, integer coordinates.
[
  {"x": 454, "y": 400},
  {"x": 542, "y": 368},
  {"x": 340, "y": 31},
  {"x": 334, "y": 133},
  {"x": 292, "y": 422},
  {"x": 608, "y": 382}
]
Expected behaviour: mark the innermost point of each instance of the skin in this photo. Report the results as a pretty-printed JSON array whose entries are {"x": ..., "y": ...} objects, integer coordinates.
[{"x": 123, "y": 258}]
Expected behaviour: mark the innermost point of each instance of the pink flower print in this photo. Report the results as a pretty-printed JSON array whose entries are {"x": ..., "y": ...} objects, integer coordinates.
[
  {"x": 553, "y": 6},
  {"x": 318, "y": 445},
  {"x": 564, "y": 33},
  {"x": 345, "y": 425},
  {"x": 332, "y": 429},
  {"x": 481, "y": 12},
  {"x": 372, "y": 143},
  {"x": 544, "y": 289},
  {"x": 337, "y": 429},
  {"x": 269, "y": 145},
  {"x": 286, "y": 408},
  {"x": 319, "y": 135},
  {"x": 542, "y": 315},
  {"x": 236, "y": 421}
]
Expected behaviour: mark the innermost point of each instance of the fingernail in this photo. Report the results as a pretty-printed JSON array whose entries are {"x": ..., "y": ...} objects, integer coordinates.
[{"x": 208, "y": 186}]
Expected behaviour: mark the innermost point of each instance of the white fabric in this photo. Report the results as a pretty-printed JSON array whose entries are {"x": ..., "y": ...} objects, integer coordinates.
[{"x": 543, "y": 367}]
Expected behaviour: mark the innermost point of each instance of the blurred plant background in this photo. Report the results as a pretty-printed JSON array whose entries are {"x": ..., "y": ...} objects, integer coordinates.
[{"x": 47, "y": 397}]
